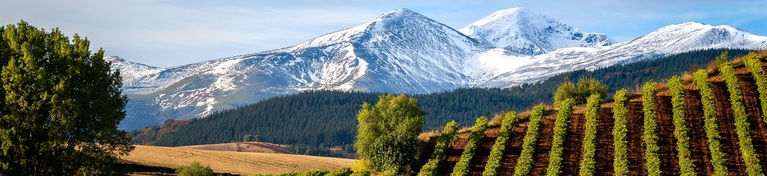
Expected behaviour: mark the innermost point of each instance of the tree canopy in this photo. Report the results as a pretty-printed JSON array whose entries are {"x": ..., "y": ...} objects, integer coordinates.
[
  {"x": 60, "y": 105},
  {"x": 387, "y": 133},
  {"x": 580, "y": 92}
]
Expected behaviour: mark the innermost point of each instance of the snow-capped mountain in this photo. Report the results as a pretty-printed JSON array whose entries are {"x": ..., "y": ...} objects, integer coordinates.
[
  {"x": 402, "y": 52},
  {"x": 665, "y": 41},
  {"x": 522, "y": 31}
]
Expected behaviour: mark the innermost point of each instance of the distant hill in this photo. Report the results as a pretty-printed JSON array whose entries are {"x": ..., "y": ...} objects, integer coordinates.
[{"x": 328, "y": 117}]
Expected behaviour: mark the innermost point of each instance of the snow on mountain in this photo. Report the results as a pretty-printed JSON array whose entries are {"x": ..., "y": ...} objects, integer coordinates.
[
  {"x": 668, "y": 40},
  {"x": 402, "y": 52},
  {"x": 522, "y": 31}
]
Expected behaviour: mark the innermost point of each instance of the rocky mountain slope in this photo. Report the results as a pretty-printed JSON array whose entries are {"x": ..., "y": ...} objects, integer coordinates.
[{"x": 403, "y": 52}]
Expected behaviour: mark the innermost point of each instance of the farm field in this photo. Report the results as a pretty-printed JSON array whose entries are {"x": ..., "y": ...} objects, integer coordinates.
[{"x": 233, "y": 162}]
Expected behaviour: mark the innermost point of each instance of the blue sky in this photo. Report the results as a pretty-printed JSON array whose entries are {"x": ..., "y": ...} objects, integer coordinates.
[{"x": 175, "y": 32}]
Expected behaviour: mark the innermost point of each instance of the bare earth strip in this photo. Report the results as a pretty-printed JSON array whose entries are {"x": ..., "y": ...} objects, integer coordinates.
[{"x": 233, "y": 162}]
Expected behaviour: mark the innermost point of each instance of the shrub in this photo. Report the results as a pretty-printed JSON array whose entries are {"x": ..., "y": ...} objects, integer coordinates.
[
  {"x": 579, "y": 92},
  {"x": 753, "y": 62},
  {"x": 741, "y": 119},
  {"x": 462, "y": 167},
  {"x": 686, "y": 165},
  {"x": 650, "y": 129},
  {"x": 718, "y": 157},
  {"x": 590, "y": 136},
  {"x": 510, "y": 120},
  {"x": 560, "y": 135},
  {"x": 525, "y": 161},
  {"x": 447, "y": 138},
  {"x": 194, "y": 169},
  {"x": 620, "y": 162}
]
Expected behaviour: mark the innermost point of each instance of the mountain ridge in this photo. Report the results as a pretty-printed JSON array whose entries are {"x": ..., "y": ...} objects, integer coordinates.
[{"x": 399, "y": 52}]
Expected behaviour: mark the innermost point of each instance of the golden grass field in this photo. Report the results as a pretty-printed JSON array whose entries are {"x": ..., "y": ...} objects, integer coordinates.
[{"x": 244, "y": 163}]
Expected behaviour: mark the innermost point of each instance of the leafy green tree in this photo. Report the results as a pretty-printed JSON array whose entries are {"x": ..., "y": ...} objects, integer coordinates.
[
  {"x": 194, "y": 169},
  {"x": 60, "y": 105},
  {"x": 388, "y": 132},
  {"x": 580, "y": 92}
]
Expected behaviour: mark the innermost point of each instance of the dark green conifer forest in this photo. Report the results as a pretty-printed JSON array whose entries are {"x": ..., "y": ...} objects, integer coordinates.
[{"x": 327, "y": 118}]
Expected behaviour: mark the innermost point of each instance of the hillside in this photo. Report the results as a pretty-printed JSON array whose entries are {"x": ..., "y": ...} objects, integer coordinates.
[
  {"x": 402, "y": 51},
  {"x": 245, "y": 163},
  {"x": 326, "y": 117},
  {"x": 700, "y": 155}
]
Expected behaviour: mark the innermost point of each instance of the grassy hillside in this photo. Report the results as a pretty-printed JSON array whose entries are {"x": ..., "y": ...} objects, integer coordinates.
[
  {"x": 245, "y": 163},
  {"x": 327, "y": 118},
  {"x": 720, "y": 114}
]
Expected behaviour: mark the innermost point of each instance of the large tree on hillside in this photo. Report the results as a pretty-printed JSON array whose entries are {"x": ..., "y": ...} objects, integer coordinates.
[
  {"x": 60, "y": 105},
  {"x": 387, "y": 133}
]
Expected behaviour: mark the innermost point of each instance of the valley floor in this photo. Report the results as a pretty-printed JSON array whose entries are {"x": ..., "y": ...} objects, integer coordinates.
[{"x": 245, "y": 163}]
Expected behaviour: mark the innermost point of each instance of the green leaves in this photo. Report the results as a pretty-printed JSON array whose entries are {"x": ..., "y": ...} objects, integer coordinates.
[
  {"x": 560, "y": 135},
  {"x": 525, "y": 161},
  {"x": 650, "y": 135},
  {"x": 620, "y": 112},
  {"x": 462, "y": 167},
  {"x": 510, "y": 120},
  {"x": 718, "y": 157},
  {"x": 686, "y": 165},
  {"x": 590, "y": 135},
  {"x": 584, "y": 89},
  {"x": 741, "y": 119},
  {"x": 447, "y": 138},
  {"x": 60, "y": 101},
  {"x": 387, "y": 132},
  {"x": 755, "y": 64}
]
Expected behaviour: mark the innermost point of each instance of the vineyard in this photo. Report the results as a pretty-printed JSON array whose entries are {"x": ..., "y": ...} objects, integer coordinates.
[{"x": 711, "y": 122}]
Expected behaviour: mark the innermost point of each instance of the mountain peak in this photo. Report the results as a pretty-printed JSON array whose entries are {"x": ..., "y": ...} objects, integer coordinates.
[{"x": 525, "y": 32}]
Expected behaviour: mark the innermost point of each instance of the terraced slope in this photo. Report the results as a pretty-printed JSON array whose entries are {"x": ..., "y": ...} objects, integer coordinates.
[{"x": 700, "y": 153}]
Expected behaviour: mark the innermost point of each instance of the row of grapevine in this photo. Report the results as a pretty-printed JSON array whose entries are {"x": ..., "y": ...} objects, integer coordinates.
[
  {"x": 525, "y": 161},
  {"x": 620, "y": 131},
  {"x": 718, "y": 157},
  {"x": 510, "y": 120},
  {"x": 650, "y": 134},
  {"x": 686, "y": 165},
  {"x": 752, "y": 62},
  {"x": 741, "y": 119},
  {"x": 447, "y": 137},
  {"x": 560, "y": 135},
  {"x": 462, "y": 167},
  {"x": 590, "y": 135}
]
